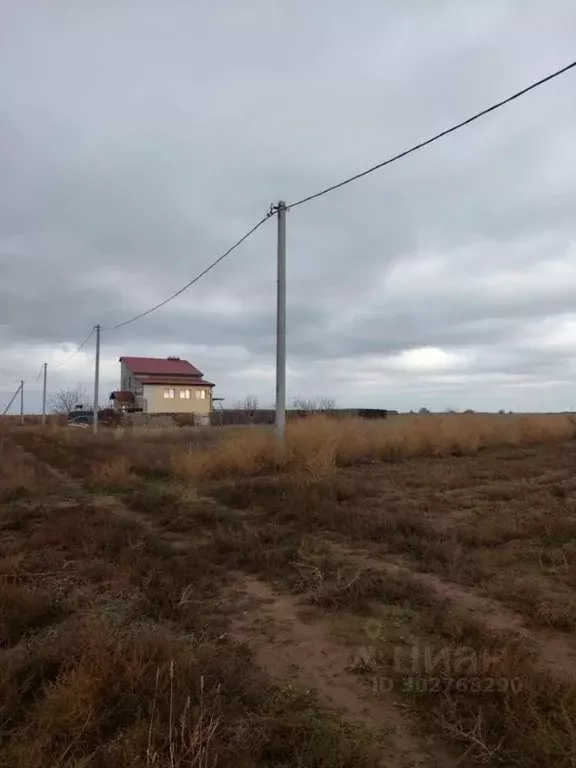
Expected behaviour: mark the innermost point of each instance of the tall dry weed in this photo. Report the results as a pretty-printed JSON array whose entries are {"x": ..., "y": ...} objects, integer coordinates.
[
  {"x": 312, "y": 447},
  {"x": 117, "y": 471},
  {"x": 247, "y": 452},
  {"x": 316, "y": 445}
]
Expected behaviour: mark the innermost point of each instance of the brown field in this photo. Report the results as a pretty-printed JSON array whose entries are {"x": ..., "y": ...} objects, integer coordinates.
[{"x": 397, "y": 594}]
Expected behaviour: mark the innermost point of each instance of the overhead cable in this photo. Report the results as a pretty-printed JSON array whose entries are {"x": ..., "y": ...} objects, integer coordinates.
[
  {"x": 195, "y": 279},
  {"x": 436, "y": 137},
  {"x": 76, "y": 351}
]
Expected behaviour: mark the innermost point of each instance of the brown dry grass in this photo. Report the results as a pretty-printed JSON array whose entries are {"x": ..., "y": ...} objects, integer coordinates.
[
  {"x": 115, "y": 640},
  {"x": 113, "y": 651},
  {"x": 317, "y": 445},
  {"x": 116, "y": 472},
  {"x": 314, "y": 447},
  {"x": 482, "y": 690},
  {"x": 24, "y": 609},
  {"x": 105, "y": 695},
  {"x": 20, "y": 474}
]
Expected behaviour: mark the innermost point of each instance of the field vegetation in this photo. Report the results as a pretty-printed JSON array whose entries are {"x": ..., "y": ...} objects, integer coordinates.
[{"x": 396, "y": 593}]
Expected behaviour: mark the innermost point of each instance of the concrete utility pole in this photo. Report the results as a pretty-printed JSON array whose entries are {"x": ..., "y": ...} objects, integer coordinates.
[
  {"x": 281, "y": 325},
  {"x": 44, "y": 395},
  {"x": 96, "y": 381},
  {"x": 14, "y": 396},
  {"x": 22, "y": 402}
]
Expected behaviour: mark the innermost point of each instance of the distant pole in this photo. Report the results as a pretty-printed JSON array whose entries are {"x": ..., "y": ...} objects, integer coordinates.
[
  {"x": 281, "y": 325},
  {"x": 96, "y": 381},
  {"x": 21, "y": 402},
  {"x": 44, "y": 395}
]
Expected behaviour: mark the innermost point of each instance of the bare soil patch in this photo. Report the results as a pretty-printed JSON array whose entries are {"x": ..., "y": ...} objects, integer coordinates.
[{"x": 304, "y": 653}]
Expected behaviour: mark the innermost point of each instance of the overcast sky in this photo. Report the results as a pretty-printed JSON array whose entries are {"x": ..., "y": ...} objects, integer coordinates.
[{"x": 139, "y": 139}]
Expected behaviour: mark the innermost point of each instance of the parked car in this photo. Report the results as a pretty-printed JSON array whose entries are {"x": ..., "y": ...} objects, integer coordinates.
[
  {"x": 83, "y": 418},
  {"x": 80, "y": 421}
]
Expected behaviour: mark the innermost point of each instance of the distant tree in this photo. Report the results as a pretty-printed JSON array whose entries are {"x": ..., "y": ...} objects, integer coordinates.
[
  {"x": 247, "y": 410},
  {"x": 65, "y": 400},
  {"x": 314, "y": 404},
  {"x": 248, "y": 403},
  {"x": 423, "y": 410},
  {"x": 469, "y": 410},
  {"x": 502, "y": 411}
]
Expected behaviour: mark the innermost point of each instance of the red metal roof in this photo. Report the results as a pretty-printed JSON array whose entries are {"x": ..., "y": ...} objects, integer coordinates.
[
  {"x": 149, "y": 366},
  {"x": 122, "y": 396}
]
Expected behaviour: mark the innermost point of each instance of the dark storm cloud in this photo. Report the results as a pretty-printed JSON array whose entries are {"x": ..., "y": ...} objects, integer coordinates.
[{"x": 138, "y": 141}]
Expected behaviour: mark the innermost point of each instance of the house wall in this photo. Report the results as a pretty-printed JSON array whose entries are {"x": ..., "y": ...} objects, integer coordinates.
[
  {"x": 124, "y": 376},
  {"x": 129, "y": 382},
  {"x": 157, "y": 403}
]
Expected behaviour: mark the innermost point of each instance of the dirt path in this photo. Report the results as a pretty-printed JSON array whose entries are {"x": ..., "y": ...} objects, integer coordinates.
[
  {"x": 114, "y": 505},
  {"x": 305, "y": 653},
  {"x": 555, "y": 651},
  {"x": 302, "y": 653}
]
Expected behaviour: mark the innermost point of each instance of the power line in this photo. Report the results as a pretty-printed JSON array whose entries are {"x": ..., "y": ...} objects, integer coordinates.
[
  {"x": 436, "y": 137},
  {"x": 76, "y": 352},
  {"x": 173, "y": 296},
  {"x": 322, "y": 192},
  {"x": 194, "y": 280}
]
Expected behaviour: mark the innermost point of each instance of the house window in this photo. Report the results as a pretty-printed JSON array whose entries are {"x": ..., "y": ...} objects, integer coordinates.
[
  {"x": 200, "y": 394},
  {"x": 185, "y": 394},
  {"x": 169, "y": 394}
]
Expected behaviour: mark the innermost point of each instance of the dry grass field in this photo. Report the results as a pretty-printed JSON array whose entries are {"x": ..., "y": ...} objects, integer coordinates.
[{"x": 397, "y": 594}]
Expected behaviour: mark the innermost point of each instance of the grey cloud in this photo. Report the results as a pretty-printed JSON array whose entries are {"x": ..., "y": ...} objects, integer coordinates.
[{"x": 138, "y": 141}]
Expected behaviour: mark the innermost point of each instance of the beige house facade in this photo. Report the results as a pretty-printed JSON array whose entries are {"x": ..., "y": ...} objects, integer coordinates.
[
  {"x": 164, "y": 385},
  {"x": 177, "y": 399}
]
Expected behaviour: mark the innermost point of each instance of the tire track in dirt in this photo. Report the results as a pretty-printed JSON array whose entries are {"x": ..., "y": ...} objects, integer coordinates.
[
  {"x": 555, "y": 651},
  {"x": 113, "y": 505},
  {"x": 306, "y": 653},
  {"x": 176, "y": 541}
]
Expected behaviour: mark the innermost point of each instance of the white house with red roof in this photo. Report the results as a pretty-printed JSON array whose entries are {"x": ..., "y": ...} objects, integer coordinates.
[{"x": 163, "y": 385}]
